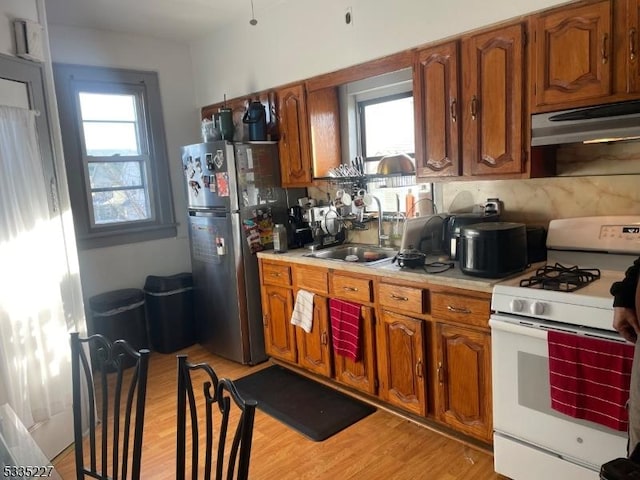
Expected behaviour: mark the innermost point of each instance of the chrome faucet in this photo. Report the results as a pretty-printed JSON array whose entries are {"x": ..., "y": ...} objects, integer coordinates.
[{"x": 381, "y": 237}]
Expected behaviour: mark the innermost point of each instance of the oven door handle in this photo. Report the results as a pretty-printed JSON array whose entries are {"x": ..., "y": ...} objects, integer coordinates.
[{"x": 497, "y": 324}]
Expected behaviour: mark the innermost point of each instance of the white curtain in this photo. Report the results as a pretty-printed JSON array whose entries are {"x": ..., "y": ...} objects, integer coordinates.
[{"x": 34, "y": 341}]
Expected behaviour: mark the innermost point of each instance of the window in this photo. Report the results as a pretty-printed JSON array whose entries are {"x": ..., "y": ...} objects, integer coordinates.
[
  {"x": 115, "y": 154},
  {"x": 386, "y": 126}
]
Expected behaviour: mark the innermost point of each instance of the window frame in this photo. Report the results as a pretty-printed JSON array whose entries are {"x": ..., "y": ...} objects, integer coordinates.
[{"x": 70, "y": 80}]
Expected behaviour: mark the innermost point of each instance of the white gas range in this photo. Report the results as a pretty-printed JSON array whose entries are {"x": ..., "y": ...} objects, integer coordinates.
[{"x": 531, "y": 440}]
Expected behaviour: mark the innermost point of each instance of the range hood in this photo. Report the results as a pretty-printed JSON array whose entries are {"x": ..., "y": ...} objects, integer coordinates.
[{"x": 603, "y": 123}]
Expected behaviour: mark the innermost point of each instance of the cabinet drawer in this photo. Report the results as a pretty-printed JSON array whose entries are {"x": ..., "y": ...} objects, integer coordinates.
[
  {"x": 276, "y": 274},
  {"x": 409, "y": 299},
  {"x": 461, "y": 309},
  {"x": 351, "y": 288},
  {"x": 312, "y": 279}
]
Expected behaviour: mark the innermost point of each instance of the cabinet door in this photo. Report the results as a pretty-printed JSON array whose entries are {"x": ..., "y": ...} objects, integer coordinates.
[
  {"x": 279, "y": 334},
  {"x": 295, "y": 162},
  {"x": 324, "y": 125},
  {"x": 463, "y": 400},
  {"x": 436, "y": 110},
  {"x": 401, "y": 364},
  {"x": 362, "y": 373},
  {"x": 572, "y": 56},
  {"x": 493, "y": 92},
  {"x": 631, "y": 50},
  {"x": 314, "y": 348}
]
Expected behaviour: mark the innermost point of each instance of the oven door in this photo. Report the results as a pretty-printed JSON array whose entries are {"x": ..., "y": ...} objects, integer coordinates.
[{"x": 524, "y": 423}]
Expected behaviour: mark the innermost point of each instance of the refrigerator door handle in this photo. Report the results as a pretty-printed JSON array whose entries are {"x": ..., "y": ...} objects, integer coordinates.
[{"x": 208, "y": 213}]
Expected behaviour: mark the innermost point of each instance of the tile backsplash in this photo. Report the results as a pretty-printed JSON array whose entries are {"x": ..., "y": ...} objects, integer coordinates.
[{"x": 537, "y": 201}]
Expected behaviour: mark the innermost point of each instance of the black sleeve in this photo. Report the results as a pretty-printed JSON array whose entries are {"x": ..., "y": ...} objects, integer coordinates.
[{"x": 624, "y": 291}]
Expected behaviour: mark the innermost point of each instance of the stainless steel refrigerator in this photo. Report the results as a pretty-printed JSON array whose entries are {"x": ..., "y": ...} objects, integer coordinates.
[{"x": 234, "y": 199}]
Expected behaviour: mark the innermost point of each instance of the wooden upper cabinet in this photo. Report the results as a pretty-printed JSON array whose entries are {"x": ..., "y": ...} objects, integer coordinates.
[
  {"x": 626, "y": 43},
  {"x": 436, "y": 111},
  {"x": 295, "y": 160},
  {"x": 493, "y": 93},
  {"x": 324, "y": 123},
  {"x": 572, "y": 57}
]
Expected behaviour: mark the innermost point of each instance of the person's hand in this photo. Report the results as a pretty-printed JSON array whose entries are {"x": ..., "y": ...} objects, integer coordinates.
[{"x": 625, "y": 321}]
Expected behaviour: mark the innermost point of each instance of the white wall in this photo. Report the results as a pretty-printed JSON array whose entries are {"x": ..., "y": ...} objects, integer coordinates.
[
  {"x": 303, "y": 38},
  {"x": 126, "y": 266},
  {"x": 10, "y": 9}
]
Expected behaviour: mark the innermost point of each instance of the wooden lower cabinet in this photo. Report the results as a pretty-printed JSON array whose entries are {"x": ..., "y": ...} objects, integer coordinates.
[
  {"x": 401, "y": 361},
  {"x": 360, "y": 374},
  {"x": 463, "y": 376},
  {"x": 279, "y": 334},
  {"x": 314, "y": 348}
]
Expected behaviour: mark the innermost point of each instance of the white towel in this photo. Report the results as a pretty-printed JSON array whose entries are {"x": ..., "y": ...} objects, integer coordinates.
[{"x": 303, "y": 310}]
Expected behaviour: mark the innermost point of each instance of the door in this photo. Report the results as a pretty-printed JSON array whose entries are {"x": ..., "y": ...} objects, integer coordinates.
[
  {"x": 294, "y": 137},
  {"x": 572, "y": 54},
  {"x": 360, "y": 374},
  {"x": 464, "y": 380},
  {"x": 279, "y": 333},
  {"x": 219, "y": 310},
  {"x": 208, "y": 181},
  {"x": 437, "y": 117},
  {"x": 521, "y": 396},
  {"x": 632, "y": 38},
  {"x": 22, "y": 85},
  {"x": 314, "y": 348},
  {"x": 401, "y": 361},
  {"x": 493, "y": 93}
]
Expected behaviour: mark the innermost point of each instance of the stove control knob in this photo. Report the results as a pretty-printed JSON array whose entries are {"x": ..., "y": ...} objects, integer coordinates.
[
  {"x": 536, "y": 308},
  {"x": 516, "y": 305}
]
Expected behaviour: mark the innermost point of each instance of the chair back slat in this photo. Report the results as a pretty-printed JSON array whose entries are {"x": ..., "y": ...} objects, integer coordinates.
[
  {"x": 112, "y": 419},
  {"x": 223, "y": 394}
]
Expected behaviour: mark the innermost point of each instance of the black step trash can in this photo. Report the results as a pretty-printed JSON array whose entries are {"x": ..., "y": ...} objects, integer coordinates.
[
  {"x": 119, "y": 314},
  {"x": 169, "y": 310}
]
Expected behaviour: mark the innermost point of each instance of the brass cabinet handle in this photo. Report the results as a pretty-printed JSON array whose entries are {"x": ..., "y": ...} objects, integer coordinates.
[
  {"x": 265, "y": 320},
  {"x": 275, "y": 274},
  {"x": 398, "y": 297},
  {"x": 454, "y": 110},
  {"x": 451, "y": 308},
  {"x": 440, "y": 380},
  {"x": 350, "y": 289},
  {"x": 474, "y": 108},
  {"x": 605, "y": 55},
  {"x": 632, "y": 44},
  {"x": 419, "y": 368},
  {"x": 323, "y": 338}
]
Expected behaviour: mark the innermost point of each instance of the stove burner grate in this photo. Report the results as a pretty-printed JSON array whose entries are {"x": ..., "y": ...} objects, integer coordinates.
[{"x": 561, "y": 278}]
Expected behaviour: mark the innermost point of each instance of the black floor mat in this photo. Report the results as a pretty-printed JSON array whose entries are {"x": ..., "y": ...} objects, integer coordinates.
[{"x": 309, "y": 407}]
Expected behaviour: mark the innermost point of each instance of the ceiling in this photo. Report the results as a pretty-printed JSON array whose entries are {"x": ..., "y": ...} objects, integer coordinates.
[{"x": 173, "y": 19}]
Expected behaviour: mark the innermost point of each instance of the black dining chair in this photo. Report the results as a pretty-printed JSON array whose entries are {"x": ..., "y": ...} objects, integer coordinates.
[
  {"x": 108, "y": 402},
  {"x": 223, "y": 393}
]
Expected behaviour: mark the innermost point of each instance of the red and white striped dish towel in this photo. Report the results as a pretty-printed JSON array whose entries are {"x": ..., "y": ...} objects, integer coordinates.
[
  {"x": 589, "y": 378},
  {"x": 345, "y": 328}
]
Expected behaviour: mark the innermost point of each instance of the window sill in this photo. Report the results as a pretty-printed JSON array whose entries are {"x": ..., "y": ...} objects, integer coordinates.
[{"x": 137, "y": 235}]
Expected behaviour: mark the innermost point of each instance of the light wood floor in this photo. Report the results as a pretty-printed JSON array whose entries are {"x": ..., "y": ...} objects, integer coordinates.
[{"x": 381, "y": 446}]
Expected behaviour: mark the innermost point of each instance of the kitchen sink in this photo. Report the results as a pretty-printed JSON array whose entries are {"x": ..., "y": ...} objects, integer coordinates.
[{"x": 364, "y": 254}]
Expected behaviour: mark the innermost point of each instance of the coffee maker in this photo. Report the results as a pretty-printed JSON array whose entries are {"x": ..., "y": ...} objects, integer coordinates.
[{"x": 300, "y": 233}]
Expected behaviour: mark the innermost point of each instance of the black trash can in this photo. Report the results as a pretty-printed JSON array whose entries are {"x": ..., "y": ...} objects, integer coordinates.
[
  {"x": 169, "y": 310},
  {"x": 119, "y": 314}
]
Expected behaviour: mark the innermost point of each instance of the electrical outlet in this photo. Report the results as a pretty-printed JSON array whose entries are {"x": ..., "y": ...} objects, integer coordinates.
[{"x": 348, "y": 16}]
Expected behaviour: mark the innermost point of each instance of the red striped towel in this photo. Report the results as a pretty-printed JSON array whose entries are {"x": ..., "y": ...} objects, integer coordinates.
[
  {"x": 590, "y": 378},
  {"x": 345, "y": 328}
]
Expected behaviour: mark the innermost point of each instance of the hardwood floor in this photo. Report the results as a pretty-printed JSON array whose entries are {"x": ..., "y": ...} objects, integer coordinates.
[{"x": 381, "y": 446}]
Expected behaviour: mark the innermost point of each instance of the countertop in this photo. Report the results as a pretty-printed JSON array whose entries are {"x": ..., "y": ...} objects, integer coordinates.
[{"x": 453, "y": 277}]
